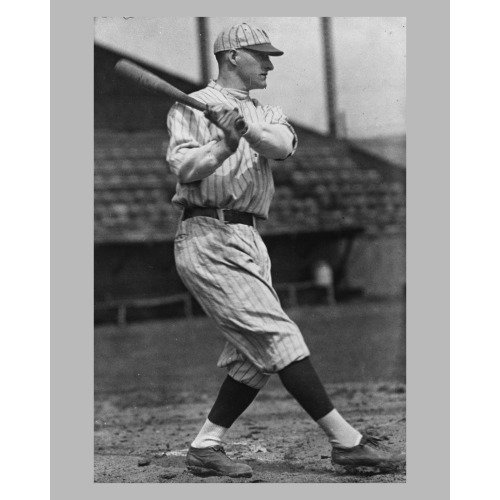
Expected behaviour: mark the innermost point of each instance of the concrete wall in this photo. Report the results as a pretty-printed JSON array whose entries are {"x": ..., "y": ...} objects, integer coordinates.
[{"x": 378, "y": 265}]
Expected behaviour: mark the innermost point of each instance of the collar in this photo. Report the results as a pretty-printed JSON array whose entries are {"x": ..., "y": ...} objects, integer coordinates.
[{"x": 241, "y": 95}]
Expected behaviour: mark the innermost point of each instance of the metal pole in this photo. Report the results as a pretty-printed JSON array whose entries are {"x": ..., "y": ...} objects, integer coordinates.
[
  {"x": 326, "y": 30},
  {"x": 204, "y": 49}
]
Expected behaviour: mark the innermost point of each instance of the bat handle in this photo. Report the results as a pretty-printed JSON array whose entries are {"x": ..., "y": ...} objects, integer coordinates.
[{"x": 240, "y": 123}]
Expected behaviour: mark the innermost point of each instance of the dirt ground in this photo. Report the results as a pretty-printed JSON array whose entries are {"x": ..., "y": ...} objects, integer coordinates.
[{"x": 152, "y": 394}]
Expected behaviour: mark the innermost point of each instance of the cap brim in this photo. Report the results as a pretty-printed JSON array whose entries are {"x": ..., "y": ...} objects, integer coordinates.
[{"x": 267, "y": 48}]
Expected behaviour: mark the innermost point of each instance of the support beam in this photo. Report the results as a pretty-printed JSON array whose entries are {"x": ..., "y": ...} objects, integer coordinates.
[
  {"x": 205, "y": 52},
  {"x": 330, "y": 84}
]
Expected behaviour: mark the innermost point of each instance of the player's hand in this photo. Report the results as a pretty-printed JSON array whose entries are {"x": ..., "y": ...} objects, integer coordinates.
[{"x": 229, "y": 121}]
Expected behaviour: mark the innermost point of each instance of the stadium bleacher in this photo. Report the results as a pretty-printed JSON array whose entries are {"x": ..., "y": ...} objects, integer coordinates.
[{"x": 319, "y": 188}]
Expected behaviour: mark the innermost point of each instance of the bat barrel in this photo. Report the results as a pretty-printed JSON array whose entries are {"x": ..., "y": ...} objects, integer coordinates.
[{"x": 150, "y": 81}]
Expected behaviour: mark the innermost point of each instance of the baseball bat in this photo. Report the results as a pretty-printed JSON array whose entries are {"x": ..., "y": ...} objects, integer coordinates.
[{"x": 150, "y": 81}]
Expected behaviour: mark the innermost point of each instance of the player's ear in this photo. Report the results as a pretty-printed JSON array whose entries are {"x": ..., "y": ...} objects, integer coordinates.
[{"x": 232, "y": 57}]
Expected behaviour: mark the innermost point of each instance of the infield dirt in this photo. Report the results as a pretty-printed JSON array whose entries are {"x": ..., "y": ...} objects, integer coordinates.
[{"x": 155, "y": 383}]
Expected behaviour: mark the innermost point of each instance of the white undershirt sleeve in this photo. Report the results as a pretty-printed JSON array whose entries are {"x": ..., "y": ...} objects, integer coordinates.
[
  {"x": 272, "y": 140},
  {"x": 195, "y": 163}
]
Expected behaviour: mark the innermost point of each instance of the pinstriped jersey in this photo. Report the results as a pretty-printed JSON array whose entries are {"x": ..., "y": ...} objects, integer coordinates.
[{"x": 244, "y": 181}]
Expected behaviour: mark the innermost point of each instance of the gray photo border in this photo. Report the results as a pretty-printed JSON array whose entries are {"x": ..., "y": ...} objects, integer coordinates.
[{"x": 428, "y": 244}]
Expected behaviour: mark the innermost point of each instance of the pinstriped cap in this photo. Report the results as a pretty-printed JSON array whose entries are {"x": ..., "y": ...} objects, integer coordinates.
[{"x": 244, "y": 36}]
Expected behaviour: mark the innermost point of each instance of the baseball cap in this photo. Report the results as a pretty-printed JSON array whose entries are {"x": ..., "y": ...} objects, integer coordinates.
[{"x": 244, "y": 36}]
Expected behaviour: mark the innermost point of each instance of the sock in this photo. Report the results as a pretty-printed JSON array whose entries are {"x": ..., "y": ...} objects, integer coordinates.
[
  {"x": 233, "y": 399},
  {"x": 302, "y": 382},
  {"x": 338, "y": 430},
  {"x": 210, "y": 435}
]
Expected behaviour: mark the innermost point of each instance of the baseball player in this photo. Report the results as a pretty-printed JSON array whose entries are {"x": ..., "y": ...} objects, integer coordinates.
[{"x": 224, "y": 184}]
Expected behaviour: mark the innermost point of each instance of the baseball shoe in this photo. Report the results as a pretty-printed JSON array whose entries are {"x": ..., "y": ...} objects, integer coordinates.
[
  {"x": 368, "y": 453},
  {"x": 213, "y": 461}
]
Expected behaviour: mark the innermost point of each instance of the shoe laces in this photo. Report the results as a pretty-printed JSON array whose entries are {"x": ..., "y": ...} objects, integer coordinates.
[
  {"x": 371, "y": 440},
  {"x": 219, "y": 448}
]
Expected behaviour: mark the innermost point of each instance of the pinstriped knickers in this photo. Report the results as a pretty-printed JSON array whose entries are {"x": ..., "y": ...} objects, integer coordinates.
[{"x": 227, "y": 268}]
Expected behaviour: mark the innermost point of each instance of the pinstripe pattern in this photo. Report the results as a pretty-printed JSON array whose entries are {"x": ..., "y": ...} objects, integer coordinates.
[
  {"x": 227, "y": 268},
  {"x": 240, "y": 36},
  {"x": 244, "y": 181}
]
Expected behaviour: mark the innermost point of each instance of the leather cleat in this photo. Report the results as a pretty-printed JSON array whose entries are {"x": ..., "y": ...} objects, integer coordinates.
[
  {"x": 213, "y": 461},
  {"x": 368, "y": 453}
]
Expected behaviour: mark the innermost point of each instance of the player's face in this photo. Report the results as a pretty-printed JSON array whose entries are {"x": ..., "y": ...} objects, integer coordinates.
[{"x": 253, "y": 68}]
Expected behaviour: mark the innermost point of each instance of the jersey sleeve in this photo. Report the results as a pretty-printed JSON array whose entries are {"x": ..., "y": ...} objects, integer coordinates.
[
  {"x": 274, "y": 115},
  {"x": 273, "y": 137},
  {"x": 195, "y": 150},
  {"x": 187, "y": 129}
]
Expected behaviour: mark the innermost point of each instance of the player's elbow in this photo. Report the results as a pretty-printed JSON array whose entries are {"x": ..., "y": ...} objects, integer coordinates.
[
  {"x": 185, "y": 175},
  {"x": 283, "y": 154},
  {"x": 189, "y": 172},
  {"x": 181, "y": 167},
  {"x": 277, "y": 141}
]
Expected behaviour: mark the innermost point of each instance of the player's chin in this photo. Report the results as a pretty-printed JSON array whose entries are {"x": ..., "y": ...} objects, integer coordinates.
[
  {"x": 262, "y": 84},
  {"x": 258, "y": 84}
]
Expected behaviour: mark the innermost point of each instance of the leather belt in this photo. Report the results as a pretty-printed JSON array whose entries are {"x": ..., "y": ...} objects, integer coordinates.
[{"x": 223, "y": 214}]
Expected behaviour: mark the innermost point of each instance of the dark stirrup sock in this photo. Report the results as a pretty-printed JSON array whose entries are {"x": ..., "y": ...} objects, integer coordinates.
[
  {"x": 233, "y": 399},
  {"x": 302, "y": 382}
]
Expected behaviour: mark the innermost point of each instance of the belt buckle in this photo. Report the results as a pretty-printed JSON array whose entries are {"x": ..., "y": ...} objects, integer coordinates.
[{"x": 220, "y": 215}]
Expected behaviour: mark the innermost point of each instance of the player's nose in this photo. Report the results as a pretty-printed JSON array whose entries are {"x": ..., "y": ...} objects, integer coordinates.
[{"x": 268, "y": 65}]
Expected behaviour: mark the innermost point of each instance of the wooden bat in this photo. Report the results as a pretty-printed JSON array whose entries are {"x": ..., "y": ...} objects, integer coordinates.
[{"x": 150, "y": 81}]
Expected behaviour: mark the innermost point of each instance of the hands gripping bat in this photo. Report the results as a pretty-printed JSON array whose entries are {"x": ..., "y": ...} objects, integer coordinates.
[{"x": 150, "y": 81}]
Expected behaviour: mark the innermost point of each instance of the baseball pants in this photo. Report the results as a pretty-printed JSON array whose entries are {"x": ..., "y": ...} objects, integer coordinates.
[{"x": 227, "y": 268}]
